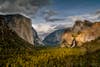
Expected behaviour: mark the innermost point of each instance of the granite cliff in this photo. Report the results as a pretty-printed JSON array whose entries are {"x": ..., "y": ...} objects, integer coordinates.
[
  {"x": 75, "y": 36},
  {"x": 10, "y": 40},
  {"x": 20, "y": 24},
  {"x": 81, "y": 32}
]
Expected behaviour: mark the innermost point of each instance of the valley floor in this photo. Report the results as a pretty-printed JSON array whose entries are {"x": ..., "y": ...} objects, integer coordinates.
[{"x": 52, "y": 57}]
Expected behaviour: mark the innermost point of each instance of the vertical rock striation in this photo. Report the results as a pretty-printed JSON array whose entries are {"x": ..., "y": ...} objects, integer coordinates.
[
  {"x": 21, "y": 25},
  {"x": 81, "y": 32}
]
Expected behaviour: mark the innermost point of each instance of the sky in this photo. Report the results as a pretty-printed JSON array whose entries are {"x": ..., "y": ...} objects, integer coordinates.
[
  {"x": 50, "y": 15},
  {"x": 66, "y": 8},
  {"x": 69, "y": 10},
  {"x": 74, "y": 7}
]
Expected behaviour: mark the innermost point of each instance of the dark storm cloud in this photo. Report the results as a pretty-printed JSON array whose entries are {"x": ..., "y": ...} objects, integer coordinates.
[
  {"x": 49, "y": 14},
  {"x": 28, "y": 7}
]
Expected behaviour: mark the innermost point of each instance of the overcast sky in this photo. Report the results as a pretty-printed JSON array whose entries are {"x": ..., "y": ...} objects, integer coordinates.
[
  {"x": 62, "y": 8},
  {"x": 70, "y": 10},
  {"x": 50, "y": 15},
  {"x": 66, "y": 8}
]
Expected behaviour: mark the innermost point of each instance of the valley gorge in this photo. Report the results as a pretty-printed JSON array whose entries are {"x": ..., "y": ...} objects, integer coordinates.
[
  {"x": 81, "y": 32},
  {"x": 17, "y": 50},
  {"x": 75, "y": 36}
]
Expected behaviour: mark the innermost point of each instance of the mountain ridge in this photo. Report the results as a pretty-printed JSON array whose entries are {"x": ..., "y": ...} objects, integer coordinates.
[
  {"x": 82, "y": 31},
  {"x": 75, "y": 33}
]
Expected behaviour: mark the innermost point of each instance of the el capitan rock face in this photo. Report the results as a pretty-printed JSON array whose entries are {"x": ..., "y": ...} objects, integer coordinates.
[
  {"x": 82, "y": 31},
  {"x": 21, "y": 25},
  {"x": 10, "y": 40}
]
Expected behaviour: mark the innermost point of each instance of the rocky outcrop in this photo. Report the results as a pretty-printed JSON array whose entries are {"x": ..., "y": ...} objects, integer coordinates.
[
  {"x": 81, "y": 25},
  {"x": 90, "y": 34},
  {"x": 66, "y": 39},
  {"x": 21, "y": 25},
  {"x": 81, "y": 32}
]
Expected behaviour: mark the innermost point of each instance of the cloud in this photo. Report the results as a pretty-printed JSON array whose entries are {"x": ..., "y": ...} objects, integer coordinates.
[
  {"x": 49, "y": 16},
  {"x": 44, "y": 29},
  {"x": 28, "y": 7},
  {"x": 91, "y": 17},
  {"x": 54, "y": 19}
]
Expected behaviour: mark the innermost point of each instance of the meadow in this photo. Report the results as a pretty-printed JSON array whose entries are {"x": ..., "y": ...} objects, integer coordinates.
[{"x": 86, "y": 56}]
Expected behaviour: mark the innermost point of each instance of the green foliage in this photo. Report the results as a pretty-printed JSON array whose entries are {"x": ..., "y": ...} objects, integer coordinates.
[
  {"x": 51, "y": 57},
  {"x": 92, "y": 46},
  {"x": 15, "y": 52}
]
